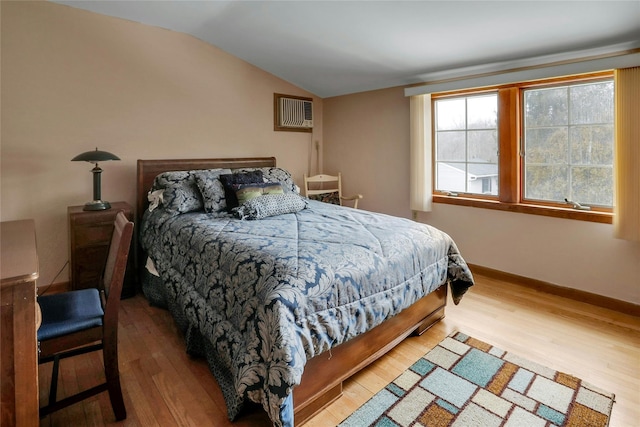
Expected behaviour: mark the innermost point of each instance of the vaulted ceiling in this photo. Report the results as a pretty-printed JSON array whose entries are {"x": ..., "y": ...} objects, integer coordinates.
[{"x": 333, "y": 48}]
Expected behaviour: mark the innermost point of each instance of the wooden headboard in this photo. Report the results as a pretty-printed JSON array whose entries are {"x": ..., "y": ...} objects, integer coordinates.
[{"x": 149, "y": 169}]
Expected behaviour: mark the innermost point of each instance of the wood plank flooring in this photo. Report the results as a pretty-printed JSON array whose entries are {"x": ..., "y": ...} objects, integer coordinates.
[{"x": 163, "y": 386}]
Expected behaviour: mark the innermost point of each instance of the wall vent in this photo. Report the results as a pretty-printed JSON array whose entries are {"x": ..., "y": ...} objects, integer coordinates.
[{"x": 294, "y": 113}]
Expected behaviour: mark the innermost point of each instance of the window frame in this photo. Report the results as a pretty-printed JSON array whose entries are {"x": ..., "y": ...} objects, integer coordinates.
[{"x": 510, "y": 163}]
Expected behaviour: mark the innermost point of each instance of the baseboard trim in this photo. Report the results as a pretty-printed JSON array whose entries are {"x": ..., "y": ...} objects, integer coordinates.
[{"x": 574, "y": 294}]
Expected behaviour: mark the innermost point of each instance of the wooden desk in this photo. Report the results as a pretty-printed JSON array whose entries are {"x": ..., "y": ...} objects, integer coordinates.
[{"x": 19, "y": 360}]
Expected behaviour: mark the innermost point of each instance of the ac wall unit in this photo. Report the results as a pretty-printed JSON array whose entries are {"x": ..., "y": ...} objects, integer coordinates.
[{"x": 295, "y": 113}]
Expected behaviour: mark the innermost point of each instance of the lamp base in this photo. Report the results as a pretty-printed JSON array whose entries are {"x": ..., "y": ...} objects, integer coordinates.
[{"x": 96, "y": 205}]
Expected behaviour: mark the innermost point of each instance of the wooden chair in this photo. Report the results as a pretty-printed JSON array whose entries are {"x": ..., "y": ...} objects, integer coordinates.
[
  {"x": 328, "y": 188},
  {"x": 86, "y": 320}
]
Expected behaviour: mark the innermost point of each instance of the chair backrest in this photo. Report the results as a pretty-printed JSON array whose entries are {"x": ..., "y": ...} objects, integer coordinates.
[
  {"x": 116, "y": 266},
  {"x": 323, "y": 184}
]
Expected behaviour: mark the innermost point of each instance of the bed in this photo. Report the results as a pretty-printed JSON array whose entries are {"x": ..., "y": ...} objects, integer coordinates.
[{"x": 273, "y": 299}]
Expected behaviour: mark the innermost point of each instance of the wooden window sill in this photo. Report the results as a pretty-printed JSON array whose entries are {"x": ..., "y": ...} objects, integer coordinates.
[{"x": 556, "y": 212}]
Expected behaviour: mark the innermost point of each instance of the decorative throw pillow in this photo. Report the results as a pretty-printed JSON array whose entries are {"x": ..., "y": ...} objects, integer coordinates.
[
  {"x": 228, "y": 181},
  {"x": 270, "y": 205},
  {"x": 181, "y": 194},
  {"x": 246, "y": 192},
  {"x": 213, "y": 195},
  {"x": 276, "y": 175}
]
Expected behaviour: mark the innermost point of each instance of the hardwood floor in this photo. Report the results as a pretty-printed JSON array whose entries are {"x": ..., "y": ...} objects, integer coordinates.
[{"x": 165, "y": 387}]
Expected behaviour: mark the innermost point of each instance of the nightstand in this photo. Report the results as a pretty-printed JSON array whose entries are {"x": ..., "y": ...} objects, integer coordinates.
[{"x": 89, "y": 239}]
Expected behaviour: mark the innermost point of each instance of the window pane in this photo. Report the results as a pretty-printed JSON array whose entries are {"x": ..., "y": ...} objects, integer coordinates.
[
  {"x": 450, "y": 177},
  {"x": 451, "y": 146},
  {"x": 592, "y": 103},
  {"x": 482, "y": 112},
  {"x": 547, "y": 145},
  {"x": 483, "y": 146},
  {"x": 450, "y": 114},
  {"x": 592, "y": 145},
  {"x": 482, "y": 178},
  {"x": 546, "y": 107},
  {"x": 546, "y": 182},
  {"x": 592, "y": 186},
  {"x": 466, "y": 146},
  {"x": 568, "y": 144}
]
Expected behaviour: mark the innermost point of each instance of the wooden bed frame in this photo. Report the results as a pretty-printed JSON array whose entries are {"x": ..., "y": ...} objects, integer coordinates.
[{"x": 316, "y": 391}]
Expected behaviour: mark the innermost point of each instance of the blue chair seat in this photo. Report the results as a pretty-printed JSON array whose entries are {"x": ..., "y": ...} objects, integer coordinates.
[{"x": 69, "y": 312}]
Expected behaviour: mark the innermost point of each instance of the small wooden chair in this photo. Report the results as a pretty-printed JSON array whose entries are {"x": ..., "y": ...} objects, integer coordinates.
[
  {"x": 328, "y": 188},
  {"x": 86, "y": 320}
]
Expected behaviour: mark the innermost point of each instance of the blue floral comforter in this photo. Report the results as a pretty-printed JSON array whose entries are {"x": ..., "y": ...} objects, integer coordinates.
[{"x": 268, "y": 295}]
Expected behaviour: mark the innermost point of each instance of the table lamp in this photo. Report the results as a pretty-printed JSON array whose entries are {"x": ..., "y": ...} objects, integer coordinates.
[{"x": 94, "y": 157}]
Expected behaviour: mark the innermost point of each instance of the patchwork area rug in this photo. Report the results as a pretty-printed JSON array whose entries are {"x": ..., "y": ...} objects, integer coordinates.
[{"x": 466, "y": 382}]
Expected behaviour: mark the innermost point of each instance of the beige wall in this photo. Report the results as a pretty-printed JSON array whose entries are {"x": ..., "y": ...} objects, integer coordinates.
[
  {"x": 74, "y": 80},
  {"x": 367, "y": 138}
]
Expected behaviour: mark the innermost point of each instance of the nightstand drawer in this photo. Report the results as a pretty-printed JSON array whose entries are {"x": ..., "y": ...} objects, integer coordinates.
[
  {"x": 91, "y": 258},
  {"x": 91, "y": 235},
  {"x": 87, "y": 279}
]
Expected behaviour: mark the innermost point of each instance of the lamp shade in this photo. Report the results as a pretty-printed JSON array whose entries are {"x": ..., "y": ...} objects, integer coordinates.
[{"x": 95, "y": 156}]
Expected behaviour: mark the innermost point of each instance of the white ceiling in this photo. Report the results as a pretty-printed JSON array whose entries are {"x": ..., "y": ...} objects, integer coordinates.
[{"x": 333, "y": 48}]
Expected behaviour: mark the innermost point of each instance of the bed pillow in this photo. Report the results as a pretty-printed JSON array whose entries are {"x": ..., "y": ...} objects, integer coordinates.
[
  {"x": 229, "y": 180},
  {"x": 245, "y": 192},
  {"x": 270, "y": 205},
  {"x": 274, "y": 174},
  {"x": 181, "y": 194},
  {"x": 213, "y": 195}
]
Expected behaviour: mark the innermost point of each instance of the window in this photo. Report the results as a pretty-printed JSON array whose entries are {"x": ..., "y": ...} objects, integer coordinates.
[
  {"x": 568, "y": 143},
  {"x": 543, "y": 147},
  {"x": 466, "y": 142}
]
